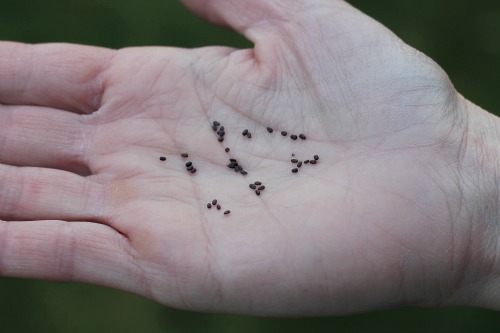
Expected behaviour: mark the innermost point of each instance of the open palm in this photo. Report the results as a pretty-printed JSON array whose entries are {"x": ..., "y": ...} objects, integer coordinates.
[{"x": 375, "y": 222}]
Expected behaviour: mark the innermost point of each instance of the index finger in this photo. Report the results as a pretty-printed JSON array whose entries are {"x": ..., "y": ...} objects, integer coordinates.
[{"x": 61, "y": 76}]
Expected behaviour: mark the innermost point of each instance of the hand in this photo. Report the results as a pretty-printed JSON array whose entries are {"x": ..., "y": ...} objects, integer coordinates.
[{"x": 391, "y": 214}]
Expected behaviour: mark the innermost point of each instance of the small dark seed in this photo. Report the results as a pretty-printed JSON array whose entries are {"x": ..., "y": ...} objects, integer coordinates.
[
  {"x": 258, "y": 183},
  {"x": 261, "y": 188},
  {"x": 245, "y": 132},
  {"x": 209, "y": 205},
  {"x": 214, "y": 202},
  {"x": 293, "y": 137},
  {"x": 227, "y": 212},
  {"x": 249, "y": 135},
  {"x": 243, "y": 172},
  {"x": 221, "y": 133},
  {"x": 184, "y": 155},
  {"x": 284, "y": 133},
  {"x": 233, "y": 160},
  {"x": 216, "y": 123},
  {"x": 293, "y": 154},
  {"x": 222, "y": 128},
  {"x": 163, "y": 158},
  {"x": 269, "y": 129},
  {"x": 188, "y": 164},
  {"x": 252, "y": 186},
  {"x": 193, "y": 171},
  {"x": 220, "y": 139},
  {"x": 218, "y": 207},
  {"x": 313, "y": 162},
  {"x": 299, "y": 164},
  {"x": 231, "y": 166},
  {"x": 189, "y": 168},
  {"x": 238, "y": 168},
  {"x": 227, "y": 150},
  {"x": 302, "y": 136},
  {"x": 306, "y": 161},
  {"x": 316, "y": 157},
  {"x": 257, "y": 192},
  {"x": 295, "y": 170},
  {"x": 294, "y": 160},
  {"x": 214, "y": 128}
]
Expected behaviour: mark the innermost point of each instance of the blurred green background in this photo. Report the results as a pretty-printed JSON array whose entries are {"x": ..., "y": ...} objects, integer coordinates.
[{"x": 462, "y": 36}]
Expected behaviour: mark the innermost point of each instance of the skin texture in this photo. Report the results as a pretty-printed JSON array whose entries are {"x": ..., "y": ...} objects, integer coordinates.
[{"x": 400, "y": 209}]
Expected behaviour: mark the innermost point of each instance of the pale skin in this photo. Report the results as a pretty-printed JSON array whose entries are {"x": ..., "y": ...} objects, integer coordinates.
[{"x": 401, "y": 208}]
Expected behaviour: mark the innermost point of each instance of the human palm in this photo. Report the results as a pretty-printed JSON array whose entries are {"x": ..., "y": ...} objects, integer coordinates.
[{"x": 372, "y": 223}]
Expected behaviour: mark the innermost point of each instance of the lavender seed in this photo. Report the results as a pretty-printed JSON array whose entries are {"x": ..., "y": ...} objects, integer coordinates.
[
  {"x": 214, "y": 128},
  {"x": 227, "y": 212},
  {"x": 294, "y": 160},
  {"x": 163, "y": 158},
  {"x": 313, "y": 162},
  {"x": 231, "y": 166},
  {"x": 214, "y": 202},
  {"x": 193, "y": 171},
  {"x": 245, "y": 132},
  {"x": 293, "y": 137},
  {"x": 302, "y": 136},
  {"x": 188, "y": 164},
  {"x": 295, "y": 170},
  {"x": 220, "y": 139},
  {"x": 306, "y": 161},
  {"x": 257, "y": 192},
  {"x": 243, "y": 172},
  {"x": 249, "y": 135},
  {"x": 184, "y": 155},
  {"x": 216, "y": 123},
  {"x": 316, "y": 157},
  {"x": 261, "y": 188},
  {"x": 209, "y": 205},
  {"x": 233, "y": 160},
  {"x": 299, "y": 164},
  {"x": 284, "y": 133},
  {"x": 227, "y": 150},
  {"x": 252, "y": 186},
  {"x": 189, "y": 168},
  {"x": 218, "y": 207},
  {"x": 222, "y": 128},
  {"x": 258, "y": 183},
  {"x": 269, "y": 129}
]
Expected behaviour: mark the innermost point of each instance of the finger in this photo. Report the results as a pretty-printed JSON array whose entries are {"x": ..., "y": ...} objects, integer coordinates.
[
  {"x": 55, "y": 75},
  {"x": 258, "y": 18},
  {"x": 35, "y": 136},
  {"x": 66, "y": 251},
  {"x": 40, "y": 194}
]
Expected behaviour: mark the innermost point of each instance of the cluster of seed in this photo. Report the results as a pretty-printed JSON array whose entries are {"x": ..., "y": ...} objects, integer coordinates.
[
  {"x": 220, "y": 130},
  {"x": 257, "y": 186},
  {"x": 218, "y": 206},
  {"x": 189, "y": 165},
  {"x": 246, "y": 133},
  {"x": 285, "y": 133},
  {"x": 298, "y": 163},
  {"x": 236, "y": 167}
]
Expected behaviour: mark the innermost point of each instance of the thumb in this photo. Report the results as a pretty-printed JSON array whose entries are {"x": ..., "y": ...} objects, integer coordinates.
[{"x": 258, "y": 18}]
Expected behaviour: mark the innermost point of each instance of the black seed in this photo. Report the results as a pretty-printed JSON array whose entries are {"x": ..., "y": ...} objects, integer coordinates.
[
  {"x": 221, "y": 133},
  {"x": 316, "y": 157},
  {"x": 313, "y": 162},
  {"x": 302, "y": 136},
  {"x": 220, "y": 139},
  {"x": 214, "y": 202},
  {"x": 227, "y": 212},
  {"x": 293, "y": 154},
  {"x": 214, "y": 128},
  {"x": 299, "y": 164},
  {"x": 295, "y": 170},
  {"x": 293, "y": 137},
  {"x": 243, "y": 172},
  {"x": 284, "y": 133},
  {"x": 261, "y": 188},
  {"x": 227, "y": 150},
  {"x": 231, "y": 166},
  {"x": 269, "y": 129},
  {"x": 222, "y": 128},
  {"x": 188, "y": 164},
  {"x": 184, "y": 155},
  {"x": 258, "y": 183},
  {"x": 238, "y": 168},
  {"x": 218, "y": 207},
  {"x": 209, "y": 205},
  {"x": 233, "y": 160},
  {"x": 189, "y": 168},
  {"x": 252, "y": 186},
  {"x": 163, "y": 158},
  {"x": 257, "y": 192},
  {"x": 306, "y": 161},
  {"x": 245, "y": 132},
  {"x": 249, "y": 135},
  {"x": 216, "y": 123},
  {"x": 294, "y": 160},
  {"x": 193, "y": 171}
]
